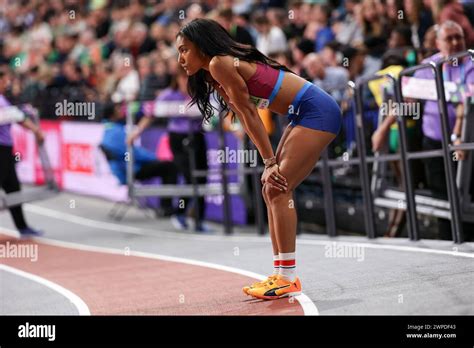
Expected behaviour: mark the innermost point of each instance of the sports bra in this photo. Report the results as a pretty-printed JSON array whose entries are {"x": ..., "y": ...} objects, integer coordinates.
[{"x": 264, "y": 85}]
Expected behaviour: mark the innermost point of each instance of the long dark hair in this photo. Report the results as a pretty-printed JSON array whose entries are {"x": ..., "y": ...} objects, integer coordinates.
[{"x": 213, "y": 40}]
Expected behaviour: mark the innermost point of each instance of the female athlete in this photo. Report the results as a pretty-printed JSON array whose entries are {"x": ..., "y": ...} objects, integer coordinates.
[{"x": 246, "y": 79}]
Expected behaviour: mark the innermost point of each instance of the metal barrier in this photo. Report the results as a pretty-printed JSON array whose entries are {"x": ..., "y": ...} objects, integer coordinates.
[
  {"x": 49, "y": 189},
  {"x": 411, "y": 199},
  {"x": 194, "y": 190}
]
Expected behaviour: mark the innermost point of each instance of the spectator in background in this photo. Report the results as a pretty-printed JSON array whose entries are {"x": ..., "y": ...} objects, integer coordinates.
[
  {"x": 128, "y": 81},
  {"x": 278, "y": 17},
  {"x": 330, "y": 54},
  {"x": 375, "y": 47},
  {"x": 400, "y": 37},
  {"x": 395, "y": 13},
  {"x": 348, "y": 30},
  {"x": 429, "y": 44},
  {"x": 141, "y": 42},
  {"x": 284, "y": 58},
  {"x": 33, "y": 87},
  {"x": 373, "y": 25},
  {"x": 8, "y": 178},
  {"x": 393, "y": 63},
  {"x": 90, "y": 52},
  {"x": 225, "y": 17},
  {"x": 68, "y": 85},
  {"x": 449, "y": 40},
  {"x": 194, "y": 11},
  {"x": 297, "y": 20},
  {"x": 444, "y": 10},
  {"x": 146, "y": 165},
  {"x": 182, "y": 146},
  {"x": 299, "y": 50},
  {"x": 332, "y": 79},
  {"x": 99, "y": 19},
  {"x": 321, "y": 14},
  {"x": 243, "y": 20},
  {"x": 270, "y": 39},
  {"x": 162, "y": 73},
  {"x": 149, "y": 82},
  {"x": 40, "y": 31},
  {"x": 353, "y": 61},
  {"x": 63, "y": 46},
  {"x": 420, "y": 19},
  {"x": 172, "y": 12}
]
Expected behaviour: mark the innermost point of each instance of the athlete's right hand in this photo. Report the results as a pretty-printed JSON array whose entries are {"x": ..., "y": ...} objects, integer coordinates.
[{"x": 272, "y": 176}]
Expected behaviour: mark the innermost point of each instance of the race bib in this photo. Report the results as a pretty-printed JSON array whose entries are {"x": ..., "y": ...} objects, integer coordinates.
[{"x": 260, "y": 103}]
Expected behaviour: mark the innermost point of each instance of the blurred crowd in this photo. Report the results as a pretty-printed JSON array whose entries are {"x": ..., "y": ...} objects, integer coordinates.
[{"x": 123, "y": 50}]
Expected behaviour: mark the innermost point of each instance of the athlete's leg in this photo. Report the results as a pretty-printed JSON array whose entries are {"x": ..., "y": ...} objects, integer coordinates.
[
  {"x": 299, "y": 154},
  {"x": 271, "y": 221}
]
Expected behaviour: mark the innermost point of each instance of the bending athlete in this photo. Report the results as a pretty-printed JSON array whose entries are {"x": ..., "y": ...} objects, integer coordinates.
[{"x": 245, "y": 78}]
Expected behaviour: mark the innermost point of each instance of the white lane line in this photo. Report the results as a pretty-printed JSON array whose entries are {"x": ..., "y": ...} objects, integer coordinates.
[
  {"x": 391, "y": 247},
  {"x": 72, "y": 297},
  {"x": 179, "y": 235},
  {"x": 309, "y": 308}
]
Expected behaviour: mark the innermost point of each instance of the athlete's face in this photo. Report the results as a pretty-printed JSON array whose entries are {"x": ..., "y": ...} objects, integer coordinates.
[{"x": 190, "y": 57}]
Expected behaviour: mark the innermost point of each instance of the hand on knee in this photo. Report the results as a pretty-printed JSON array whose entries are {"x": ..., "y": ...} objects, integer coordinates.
[{"x": 276, "y": 196}]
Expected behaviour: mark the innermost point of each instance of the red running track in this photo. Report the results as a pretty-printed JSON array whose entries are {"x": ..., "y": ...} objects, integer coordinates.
[{"x": 118, "y": 284}]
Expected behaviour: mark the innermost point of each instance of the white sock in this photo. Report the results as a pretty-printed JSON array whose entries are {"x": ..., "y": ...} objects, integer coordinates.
[
  {"x": 288, "y": 266},
  {"x": 276, "y": 264}
]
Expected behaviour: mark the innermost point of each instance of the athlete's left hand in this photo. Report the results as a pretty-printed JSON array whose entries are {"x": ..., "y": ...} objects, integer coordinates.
[{"x": 272, "y": 176}]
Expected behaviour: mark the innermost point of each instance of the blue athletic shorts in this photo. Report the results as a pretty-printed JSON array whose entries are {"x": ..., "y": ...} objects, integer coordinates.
[{"x": 314, "y": 108}]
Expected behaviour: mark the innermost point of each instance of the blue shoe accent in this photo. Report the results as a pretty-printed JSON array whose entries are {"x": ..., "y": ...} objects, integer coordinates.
[
  {"x": 179, "y": 222},
  {"x": 29, "y": 232}
]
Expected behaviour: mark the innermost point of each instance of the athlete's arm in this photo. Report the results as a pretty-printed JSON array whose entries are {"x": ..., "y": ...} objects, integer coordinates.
[{"x": 224, "y": 72}]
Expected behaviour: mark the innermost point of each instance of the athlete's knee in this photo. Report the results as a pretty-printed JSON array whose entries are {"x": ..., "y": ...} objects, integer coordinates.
[{"x": 276, "y": 196}]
